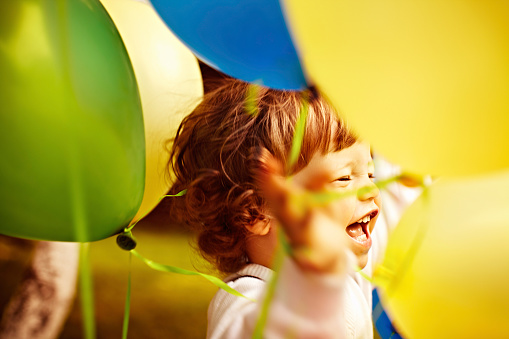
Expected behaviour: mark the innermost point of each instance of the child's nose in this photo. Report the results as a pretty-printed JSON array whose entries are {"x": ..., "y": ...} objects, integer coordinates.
[{"x": 368, "y": 191}]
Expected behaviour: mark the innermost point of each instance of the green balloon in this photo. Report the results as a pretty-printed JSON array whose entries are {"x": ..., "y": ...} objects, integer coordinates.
[{"x": 72, "y": 146}]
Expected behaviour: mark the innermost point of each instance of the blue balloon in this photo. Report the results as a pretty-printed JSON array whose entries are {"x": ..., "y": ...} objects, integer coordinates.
[{"x": 248, "y": 40}]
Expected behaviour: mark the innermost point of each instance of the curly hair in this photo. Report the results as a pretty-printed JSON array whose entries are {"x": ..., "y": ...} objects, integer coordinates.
[{"x": 212, "y": 157}]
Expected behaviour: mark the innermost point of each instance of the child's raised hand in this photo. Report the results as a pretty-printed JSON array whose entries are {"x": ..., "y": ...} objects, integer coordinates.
[{"x": 315, "y": 233}]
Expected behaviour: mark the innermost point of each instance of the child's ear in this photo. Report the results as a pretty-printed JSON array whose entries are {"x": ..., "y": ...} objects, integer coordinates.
[{"x": 260, "y": 227}]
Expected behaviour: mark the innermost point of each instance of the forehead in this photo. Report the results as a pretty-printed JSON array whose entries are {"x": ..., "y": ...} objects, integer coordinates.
[{"x": 356, "y": 157}]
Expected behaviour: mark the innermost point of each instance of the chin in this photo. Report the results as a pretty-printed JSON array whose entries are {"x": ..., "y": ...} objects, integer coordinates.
[{"x": 362, "y": 261}]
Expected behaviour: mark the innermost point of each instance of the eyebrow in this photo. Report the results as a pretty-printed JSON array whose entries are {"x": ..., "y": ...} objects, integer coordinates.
[{"x": 352, "y": 163}]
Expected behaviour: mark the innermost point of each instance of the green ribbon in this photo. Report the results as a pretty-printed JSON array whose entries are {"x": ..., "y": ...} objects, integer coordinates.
[
  {"x": 172, "y": 269},
  {"x": 127, "y": 308}
]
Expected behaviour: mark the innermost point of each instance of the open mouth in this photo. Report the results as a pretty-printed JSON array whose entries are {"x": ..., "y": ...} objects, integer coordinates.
[{"x": 359, "y": 230}]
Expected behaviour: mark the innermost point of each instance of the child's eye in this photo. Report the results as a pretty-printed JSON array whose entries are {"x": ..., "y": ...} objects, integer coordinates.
[
  {"x": 345, "y": 178},
  {"x": 372, "y": 176}
]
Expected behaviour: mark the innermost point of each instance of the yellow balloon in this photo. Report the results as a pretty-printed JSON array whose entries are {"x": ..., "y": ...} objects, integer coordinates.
[
  {"x": 169, "y": 81},
  {"x": 446, "y": 269},
  {"x": 427, "y": 82}
]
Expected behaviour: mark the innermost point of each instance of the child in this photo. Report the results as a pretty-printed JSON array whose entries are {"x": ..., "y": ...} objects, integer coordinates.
[{"x": 233, "y": 161}]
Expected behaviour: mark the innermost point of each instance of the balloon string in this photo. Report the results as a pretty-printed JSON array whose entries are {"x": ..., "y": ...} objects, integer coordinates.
[
  {"x": 284, "y": 247},
  {"x": 179, "y": 194},
  {"x": 251, "y": 102},
  {"x": 173, "y": 269},
  {"x": 299, "y": 132},
  {"x": 86, "y": 292},
  {"x": 127, "y": 308},
  {"x": 364, "y": 275},
  {"x": 271, "y": 286},
  {"x": 324, "y": 198}
]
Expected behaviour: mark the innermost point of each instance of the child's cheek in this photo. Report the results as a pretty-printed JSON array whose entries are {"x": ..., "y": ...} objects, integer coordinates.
[
  {"x": 342, "y": 211},
  {"x": 378, "y": 202}
]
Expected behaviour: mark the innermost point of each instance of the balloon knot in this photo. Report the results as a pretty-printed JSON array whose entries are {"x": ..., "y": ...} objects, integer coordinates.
[{"x": 126, "y": 241}]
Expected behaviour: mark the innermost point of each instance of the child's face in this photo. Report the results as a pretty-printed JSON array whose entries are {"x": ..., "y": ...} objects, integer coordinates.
[{"x": 343, "y": 171}]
